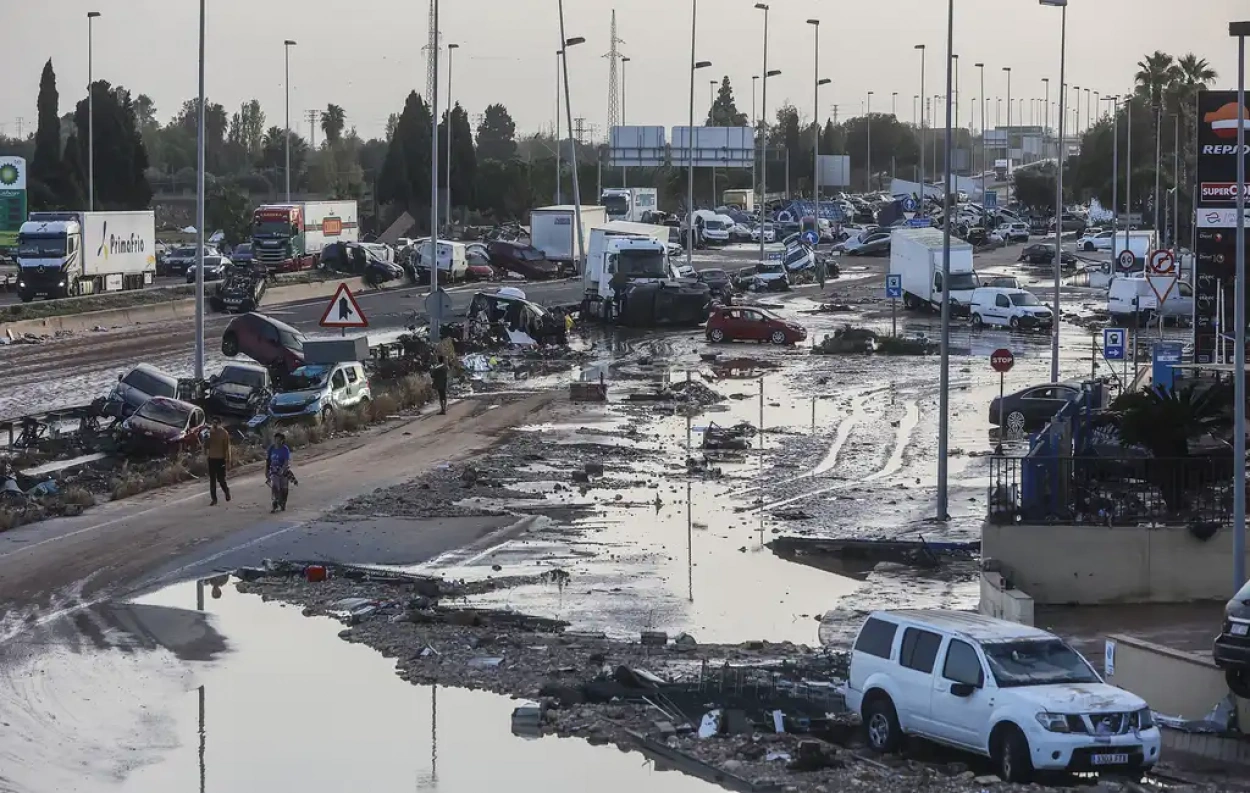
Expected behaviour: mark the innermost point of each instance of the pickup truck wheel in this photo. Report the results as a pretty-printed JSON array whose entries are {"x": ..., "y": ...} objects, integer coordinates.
[
  {"x": 1011, "y": 756},
  {"x": 881, "y": 725},
  {"x": 229, "y": 344}
]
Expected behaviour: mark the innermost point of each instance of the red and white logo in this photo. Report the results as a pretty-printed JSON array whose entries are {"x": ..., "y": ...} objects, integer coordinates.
[
  {"x": 1221, "y": 192},
  {"x": 1224, "y": 121}
]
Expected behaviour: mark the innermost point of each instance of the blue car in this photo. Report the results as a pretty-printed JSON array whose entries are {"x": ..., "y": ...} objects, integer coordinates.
[{"x": 242, "y": 254}]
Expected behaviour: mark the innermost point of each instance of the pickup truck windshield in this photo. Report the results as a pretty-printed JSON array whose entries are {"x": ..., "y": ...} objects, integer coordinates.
[
  {"x": 1036, "y": 663},
  {"x": 37, "y": 246},
  {"x": 641, "y": 264}
]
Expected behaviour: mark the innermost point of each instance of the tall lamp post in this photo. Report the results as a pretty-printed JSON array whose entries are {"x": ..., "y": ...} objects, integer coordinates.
[
  {"x": 815, "y": 23},
  {"x": 1045, "y": 116},
  {"x": 868, "y": 124},
  {"x": 1077, "y": 110},
  {"x": 894, "y": 104},
  {"x": 624, "y": 60},
  {"x": 568, "y": 114},
  {"x": 1063, "y": 50},
  {"x": 91, "y": 15},
  {"x": 1240, "y": 30},
  {"x": 922, "y": 173},
  {"x": 559, "y": 60},
  {"x": 199, "y": 214},
  {"x": 981, "y": 67},
  {"x": 944, "y": 377},
  {"x": 447, "y": 178},
  {"x": 1007, "y": 69},
  {"x": 694, "y": 67},
  {"x": 435, "y": 313},
  {"x": 286, "y": 51},
  {"x": 1115, "y": 167},
  {"x": 763, "y": 114}
]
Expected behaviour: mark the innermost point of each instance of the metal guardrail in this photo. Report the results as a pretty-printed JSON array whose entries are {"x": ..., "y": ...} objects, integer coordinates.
[{"x": 1103, "y": 491}]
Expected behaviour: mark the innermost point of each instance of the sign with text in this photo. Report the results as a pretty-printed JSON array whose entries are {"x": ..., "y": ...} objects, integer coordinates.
[{"x": 1001, "y": 360}]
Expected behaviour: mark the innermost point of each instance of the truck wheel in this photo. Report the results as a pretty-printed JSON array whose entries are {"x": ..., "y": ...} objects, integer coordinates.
[
  {"x": 25, "y": 296},
  {"x": 909, "y": 302},
  {"x": 881, "y": 724},
  {"x": 1010, "y": 751}
]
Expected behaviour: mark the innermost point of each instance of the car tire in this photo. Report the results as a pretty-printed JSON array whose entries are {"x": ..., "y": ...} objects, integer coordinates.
[
  {"x": 1238, "y": 682},
  {"x": 230, "y": 344},
  {"x": 881, "y": 727},
  {"x": 1016, "y": 423},
  {"x": 1010, "y": 754},
  {"x": 909, "y": 302},
  {"x": 1015, "y": 323},
  {"x": 977, "y": 322},
  {"x": 778, "y": 337},
  {"x": 716, "y": 335},
  {"x": 327, "y": 415}
]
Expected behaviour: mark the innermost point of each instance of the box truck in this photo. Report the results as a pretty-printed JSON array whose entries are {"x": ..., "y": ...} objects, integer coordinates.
[
  {"x": 741, "y": 199},
  {"x": 632, "y": 204},
  {"x": 916, "y": 256},
  {"x": 60, "y": 254},
  {"x": 629, "y": 279},
  {"x": 289, "y": 237},
  {"x": 553, "y": 232}
]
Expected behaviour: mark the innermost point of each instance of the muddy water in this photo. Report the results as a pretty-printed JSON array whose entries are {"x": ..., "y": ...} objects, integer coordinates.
[{"x": 258, "y": 697}]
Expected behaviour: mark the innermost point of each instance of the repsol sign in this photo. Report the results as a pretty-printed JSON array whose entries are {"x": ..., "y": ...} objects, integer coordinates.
[{"x": 1218, "y": 150}]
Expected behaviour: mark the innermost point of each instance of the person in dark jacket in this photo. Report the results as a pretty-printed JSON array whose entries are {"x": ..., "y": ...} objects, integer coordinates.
[{"x": 438, "y": 375}]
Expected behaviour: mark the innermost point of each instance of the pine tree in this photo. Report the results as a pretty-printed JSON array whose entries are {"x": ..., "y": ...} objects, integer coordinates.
[
  {"x": 496, "y": 135},
  {"x": 724, "y": 113},
  {"x": 46, "y": 170}
]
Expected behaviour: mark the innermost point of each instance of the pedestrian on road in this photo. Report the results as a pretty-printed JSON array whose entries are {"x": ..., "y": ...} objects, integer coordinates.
[
  {"x": 820, "y": 269},
  {"x": 278, "y": 471},
  {"x": 217, "y": 450},
  {"x": 438, "y": 375}
]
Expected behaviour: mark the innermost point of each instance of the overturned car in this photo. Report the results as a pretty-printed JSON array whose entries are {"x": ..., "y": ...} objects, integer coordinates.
[
  {"x": 240, "y": 290},
  {"x": 507, "y": 317}
]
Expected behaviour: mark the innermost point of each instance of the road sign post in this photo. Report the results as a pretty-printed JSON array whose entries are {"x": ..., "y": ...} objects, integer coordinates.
[
  {"x": 1162, "y": 273},
  {"x": 894, "y": 290},
  {"x": 343, "y": 312},
  {"x": 1001, "y": 361},
  {"x": 1113, "y": 342},
  {"x": 1126, "y": 259}
]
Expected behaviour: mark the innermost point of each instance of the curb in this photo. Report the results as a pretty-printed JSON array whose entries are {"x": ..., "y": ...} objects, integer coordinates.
[{"x": 168, "y": 310}]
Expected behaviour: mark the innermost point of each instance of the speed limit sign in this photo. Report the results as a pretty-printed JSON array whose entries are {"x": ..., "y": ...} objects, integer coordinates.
[{"x": 1126, "y": 259}]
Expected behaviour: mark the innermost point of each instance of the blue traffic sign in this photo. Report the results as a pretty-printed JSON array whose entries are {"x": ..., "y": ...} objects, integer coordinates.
[
  {"x": 893, "y": 285},
  {"x": 1113, "y": 343},
  {"x": 920, "y": 223},
  {"x": 909, "y": 204},
  {"x": 991, "y": 201},
  {"x": 811, "y": 237}
]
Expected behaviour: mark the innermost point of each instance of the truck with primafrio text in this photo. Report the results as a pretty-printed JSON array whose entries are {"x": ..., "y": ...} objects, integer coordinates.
[
  {"x": 290, "y": 237},
  {"x": 63, "y": 254}
]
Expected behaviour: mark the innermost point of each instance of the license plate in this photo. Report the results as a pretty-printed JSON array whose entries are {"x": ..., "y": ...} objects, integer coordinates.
[
  {"x": 1240, "y": 629},
  {"x": 1109, "y": 759}
]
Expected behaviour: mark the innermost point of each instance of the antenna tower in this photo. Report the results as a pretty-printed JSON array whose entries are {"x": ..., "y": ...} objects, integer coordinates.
[
  {"x": 614, "y": 56},
  {"x": 431, "y": 49}
]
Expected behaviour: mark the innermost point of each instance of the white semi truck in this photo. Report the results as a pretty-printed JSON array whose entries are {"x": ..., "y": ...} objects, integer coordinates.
[
  {"x": 553, "y": 231},
  {"x": 916, "y": 255},
  {"x": 629, "y": 279},
  {"x": 629, "y": 203},
  {"x": 61, "y": 254}
]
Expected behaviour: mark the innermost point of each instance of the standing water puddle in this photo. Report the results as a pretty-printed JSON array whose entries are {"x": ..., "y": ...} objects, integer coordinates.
[{"x": 153, "y": 699}]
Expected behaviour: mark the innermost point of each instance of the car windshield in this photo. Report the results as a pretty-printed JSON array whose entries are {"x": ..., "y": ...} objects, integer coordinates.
[
  {"x": 162, "y": 411},
  {"x": 531, "y": 254},
  {"x": 960, "y": 281},
  {"x": 642, "y": 264},
  {"x": 309, "y": 377},
  {"x": 715, "y": 276},
  {"x": 148, "y": 384},
  {"x": 1025, "y": 299},
  {"x": 35, "y": 246},
  {"x": 241, "y": 376},
  {"x": 770, "y": 268},
  {"x": 184, "y": 252},
  {"x": 245, "y": 247},
  {"x": 1036, "y": 662},
  {"x": 714, "y": 225},
  {"x": 291, "y": 341}
]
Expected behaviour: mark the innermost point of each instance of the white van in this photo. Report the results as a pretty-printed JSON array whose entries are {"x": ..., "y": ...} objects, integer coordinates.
[
  {"x": 1014, "y": 693},
  {"x": 1012, "y": 308},
  {"x": 1132, "y": 296},
  {"x": 453, "y": 261},
  {"x": 716, "y": 228},
  {"x": 320, "y": 389}
]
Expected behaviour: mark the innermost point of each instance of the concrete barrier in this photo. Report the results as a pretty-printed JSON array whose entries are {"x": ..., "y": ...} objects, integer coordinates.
[
  {"x": 1090, "y": 565},
  {"x": 168, "y": 310},
  {"x": 1001, "y": 602}
]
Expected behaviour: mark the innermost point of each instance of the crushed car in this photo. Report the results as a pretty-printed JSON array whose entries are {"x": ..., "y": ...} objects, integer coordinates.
[
  {"x": 136, "y": 387},
  {"x": 240, "y": 289},
  {"x": 162, "y": 425},
  {"x": 271, "y": 343},
  {"x": 316, "y": 391},
  {"x": 523, "y": 260},
  {"x": 239, "y": 389},
  {"x": 507, "y": 317},
  {"x": 763, "y": 277}
]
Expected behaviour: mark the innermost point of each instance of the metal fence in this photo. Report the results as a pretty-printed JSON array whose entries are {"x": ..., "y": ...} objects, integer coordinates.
[{"x": 1105, "y": 491}]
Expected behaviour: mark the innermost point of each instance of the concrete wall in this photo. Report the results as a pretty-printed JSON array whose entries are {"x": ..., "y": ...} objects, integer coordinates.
[
  {"x": 1088, "y": 565},
  {"x": 1002, "y": 603}
]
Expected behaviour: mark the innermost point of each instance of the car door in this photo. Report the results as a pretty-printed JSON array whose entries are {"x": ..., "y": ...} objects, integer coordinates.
[
  {"x": 1041, "y": 404},
  {"x": 353, "y": 384},
  {"x": 268, "y": 342},
  {"x": 754, "y": 327},
  {"x": 1181, "y": 302},
  {"x": 338, "y": 388},
  {"x": 917, "y": 656},
  {"x": 1002, "y": 309},
  {"x": 961, "y": 705}
]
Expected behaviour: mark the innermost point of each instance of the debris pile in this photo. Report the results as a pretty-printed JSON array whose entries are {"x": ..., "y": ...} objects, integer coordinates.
[
  {"x": 735, "y": 438},
  {"x": 849, "y": 340},
  {"x": 693, "y": 393}
]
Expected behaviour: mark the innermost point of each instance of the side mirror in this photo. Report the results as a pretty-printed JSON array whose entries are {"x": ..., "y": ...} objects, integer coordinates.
[{"x": 962, "y": 689}]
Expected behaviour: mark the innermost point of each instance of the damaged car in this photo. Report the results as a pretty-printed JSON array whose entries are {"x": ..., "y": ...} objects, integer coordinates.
[
  {"x": 240, "y": 389},
  {"x": 747, "y": 323},
  {"x": 523, "y": 260},
  {"x": 507, "y": 317},
  {"x": 1232, "y": 647},
  {"x": 316, "y": 391},
  {"x": 763, "y": 277},
  {"x": 240, "y": 289},
  {"x": 136, "y": 387},
  {"x": 272, "y": 344},
  {"x": 162, "y": 425}
]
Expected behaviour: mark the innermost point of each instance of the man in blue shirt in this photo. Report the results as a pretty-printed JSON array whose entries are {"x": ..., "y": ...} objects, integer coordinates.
[{"x": 278, "y": 471}]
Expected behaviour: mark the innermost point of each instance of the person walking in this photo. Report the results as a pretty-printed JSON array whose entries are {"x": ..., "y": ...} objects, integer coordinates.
[
  {"x": 438, "y": 375},
  {"x": 278, "y": 471},
  {"x": 217, "y": 450}
]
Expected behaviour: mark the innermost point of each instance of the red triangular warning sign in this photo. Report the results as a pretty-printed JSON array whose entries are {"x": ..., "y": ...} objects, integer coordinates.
[{"x": 344, "y": 311}]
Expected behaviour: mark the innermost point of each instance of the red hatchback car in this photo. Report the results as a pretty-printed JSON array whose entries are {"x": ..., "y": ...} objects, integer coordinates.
[{"x": 744, "y": 323}]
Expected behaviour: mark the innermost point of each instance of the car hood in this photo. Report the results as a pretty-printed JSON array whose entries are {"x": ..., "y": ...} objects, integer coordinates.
[
  {"x": 1078, "y": 698},
  {"x": 234, "y": 390},
  {"x": 150, "y": 428},
  {"x": 296, "y": 397}
]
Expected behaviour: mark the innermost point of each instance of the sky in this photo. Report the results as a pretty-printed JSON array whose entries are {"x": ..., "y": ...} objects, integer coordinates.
[{"x": 367, "y": 55}]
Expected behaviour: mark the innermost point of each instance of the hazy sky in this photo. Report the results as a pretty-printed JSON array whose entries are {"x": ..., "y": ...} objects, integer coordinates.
[{"x": 366, "y": 55}]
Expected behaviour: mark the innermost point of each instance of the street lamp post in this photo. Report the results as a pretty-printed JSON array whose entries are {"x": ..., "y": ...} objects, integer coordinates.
[
  {"x": 694, "y": 66},
  {"x": 1063, "y": 48},
  {"x": 755, "y": 150},
  {"x": 199, "y": 214},
  {"x": 815, "y": 23},
  {"x": 91, "y": 15},
  {"x": 286, "y": 51},
  {"x": 1240, "y": 30},
  {"x": 568, "y": 113},
  {"x": 955, "y": 99},
  {"x": 922, "y": 173},
  {"x": 450, "y": 49},
  {"x": 944, "y": 377},
  {"x": 1007, "y": 69},
  {"x": 435, "y": 312},
  {"x": 1088, "y": 118},
  {"x": 1045, "y": 117},
  {"x": 1077, "y": 110},
  {"x": 894, "y": 104},
  {"x": 868, "y": 124},
  {"x": 624, "y": 61},
  {"x": 1115, "y": 169},
  {"x": 559, "y": 61},
  {"x": 763, "y": 114},
  {"x": 981, "y": 67}
]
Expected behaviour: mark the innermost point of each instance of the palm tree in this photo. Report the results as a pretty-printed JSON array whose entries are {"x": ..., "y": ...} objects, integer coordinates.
[
  {"x": 1156, "y": 78},
  {"x": 332, "y": 122}
]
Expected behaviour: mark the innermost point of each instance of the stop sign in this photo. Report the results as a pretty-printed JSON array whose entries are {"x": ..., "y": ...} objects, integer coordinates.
[{"x": 1002, "y": 360}]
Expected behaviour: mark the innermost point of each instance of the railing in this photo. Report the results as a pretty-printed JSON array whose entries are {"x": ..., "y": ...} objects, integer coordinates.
[{"x": 1106, "y": 491}]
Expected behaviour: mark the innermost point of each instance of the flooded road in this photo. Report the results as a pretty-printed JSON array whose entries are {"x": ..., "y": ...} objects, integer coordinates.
[{"x": 154, "y": 697}]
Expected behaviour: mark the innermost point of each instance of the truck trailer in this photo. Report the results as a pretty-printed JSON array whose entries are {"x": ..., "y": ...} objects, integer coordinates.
[
  {"x": 290, "y": 237},
  {"x": 916, "y": 255},
  {"x": 553, "y": 231},
  {"x": 60, "y": 254},
  {"x": 629, "y": 203}
]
